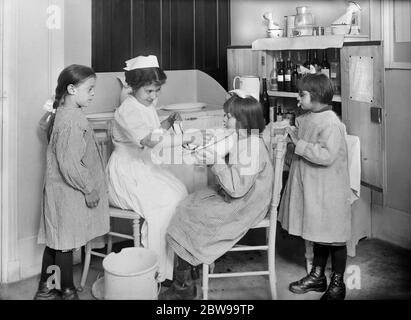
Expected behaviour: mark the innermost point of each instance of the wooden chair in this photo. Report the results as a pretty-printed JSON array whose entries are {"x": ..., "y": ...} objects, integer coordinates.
[
  {"x": 104, "y": 141},
  {"x": 278, "y": 148}
]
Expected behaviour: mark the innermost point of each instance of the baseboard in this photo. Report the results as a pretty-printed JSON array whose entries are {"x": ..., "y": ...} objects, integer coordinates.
[{"x": 391, "y": 225}]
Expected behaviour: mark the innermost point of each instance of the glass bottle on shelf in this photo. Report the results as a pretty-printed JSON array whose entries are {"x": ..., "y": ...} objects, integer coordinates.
[
  {"x": 307, "y": 62},
  {"x": 265, "y": 102},
  {"x": 280, "y": 74},
  {"x": 335, "y": 72},
  {"x": 273, "y": 76},
  {"x": 325, "y": 65},
  {"x": 294, "y": 79},
  {"x": 288, "y": 74},
  {"x": 299, "y": 63},
  {"x": 316, "y": 63},
  {"x": 279, "y": 113}
]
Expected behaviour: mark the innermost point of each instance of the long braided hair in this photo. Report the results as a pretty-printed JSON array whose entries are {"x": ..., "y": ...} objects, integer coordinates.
[{"x": 73, "y": 74}]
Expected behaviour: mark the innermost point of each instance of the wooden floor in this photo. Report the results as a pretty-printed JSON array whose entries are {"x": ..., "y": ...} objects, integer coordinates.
[{"x": 384, "y": 272}]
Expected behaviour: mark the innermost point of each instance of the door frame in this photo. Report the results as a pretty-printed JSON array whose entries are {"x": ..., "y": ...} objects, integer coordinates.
[{"x": 9, "y": 262}]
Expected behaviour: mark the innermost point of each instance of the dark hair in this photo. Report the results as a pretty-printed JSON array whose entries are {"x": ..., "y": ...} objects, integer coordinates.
[
  {"x": 247, "y": 111},
  {"x": 319, "y": 86},
  {"x": 73, "y": 74},
  {"x": 138, "y": 78}
]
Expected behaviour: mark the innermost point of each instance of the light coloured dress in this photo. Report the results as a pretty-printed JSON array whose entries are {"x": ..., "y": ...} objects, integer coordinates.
[
  {"x": 316, "y": 200},
  {"x": 74, "y": 167},
  {"x": 211, "y": 221},
  {"x": 136, "y": 183}
]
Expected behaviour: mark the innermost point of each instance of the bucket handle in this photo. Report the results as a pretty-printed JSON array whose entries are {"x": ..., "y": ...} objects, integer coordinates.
[{"x": 156, "y": 276}]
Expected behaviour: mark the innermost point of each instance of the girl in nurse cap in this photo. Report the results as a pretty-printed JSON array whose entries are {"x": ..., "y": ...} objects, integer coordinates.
[{"x": 135, "y": 182}]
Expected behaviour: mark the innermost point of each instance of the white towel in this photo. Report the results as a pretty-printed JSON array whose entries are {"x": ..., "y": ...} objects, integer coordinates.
[{"x": 354, "y": 165}]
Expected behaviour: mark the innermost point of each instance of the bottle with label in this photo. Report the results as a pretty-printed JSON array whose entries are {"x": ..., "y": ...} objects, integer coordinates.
[
  {"x": 316, "y": 63},
  {"x": 273, "y": 77},
  {"x": 288, "y": 74},
  {"x": 325, "y": 65},
  {"x": 294, "y": 79},
  {"x": 279, "y": 113},
  {"x": 335, "y": 72},
  {"x": 280, "y": 74},
  {"x": 265, "y": 102}
]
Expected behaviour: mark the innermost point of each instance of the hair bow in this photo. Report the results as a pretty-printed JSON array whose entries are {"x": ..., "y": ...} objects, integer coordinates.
[{"x": 48, "y": 106}]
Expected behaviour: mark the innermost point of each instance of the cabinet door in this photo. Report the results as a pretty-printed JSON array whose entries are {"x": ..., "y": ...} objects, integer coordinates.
[{"x": 362, "y": 97}]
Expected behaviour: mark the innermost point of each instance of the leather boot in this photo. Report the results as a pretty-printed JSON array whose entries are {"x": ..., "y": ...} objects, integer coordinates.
[
  {"x": 336, "y": 289},
  {"x": 314, "y": 281},
  {"x": 70, "y": 294},
  {"x": 183, "y": 287},
  {"x": 44, "y": 293}
]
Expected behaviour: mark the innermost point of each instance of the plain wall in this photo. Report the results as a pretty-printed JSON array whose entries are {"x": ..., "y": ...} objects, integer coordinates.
[
  {"x": 77, "y": 32},
  {"x": 398, "y": 142},
  {"x": 247, "y": 23},
  {"x": 40, "y": 58}
]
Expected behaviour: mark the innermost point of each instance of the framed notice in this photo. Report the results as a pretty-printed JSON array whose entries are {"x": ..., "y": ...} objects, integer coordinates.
[{"x": 397, "y": 33}]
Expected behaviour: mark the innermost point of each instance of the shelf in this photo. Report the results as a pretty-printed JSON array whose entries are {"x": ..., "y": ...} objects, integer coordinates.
[
  {"x": 285, "y": 94},
  {"x": 306, "y": 42}
]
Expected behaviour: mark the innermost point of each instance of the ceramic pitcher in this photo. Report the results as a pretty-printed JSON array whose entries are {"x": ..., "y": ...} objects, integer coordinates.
[{"x": 249, "y": 84}]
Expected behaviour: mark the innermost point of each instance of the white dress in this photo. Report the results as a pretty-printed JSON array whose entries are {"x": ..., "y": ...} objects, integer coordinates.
[{"x": 136, "y": 183}]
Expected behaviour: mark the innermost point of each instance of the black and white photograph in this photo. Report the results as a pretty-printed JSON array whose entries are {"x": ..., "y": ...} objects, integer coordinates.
[{"x": 224, "y": 151}]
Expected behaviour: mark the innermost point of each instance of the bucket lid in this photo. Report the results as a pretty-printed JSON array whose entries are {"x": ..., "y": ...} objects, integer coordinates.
[{"x": 130, "y": 262}]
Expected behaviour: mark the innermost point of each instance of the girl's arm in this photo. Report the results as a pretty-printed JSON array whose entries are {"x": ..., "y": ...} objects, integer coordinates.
[
  {"x": 70, "y": 150},
  {"x": 137, "y": 130},
  {"x": 325, "y": 150},
  {"x": 239, "y": 177}
]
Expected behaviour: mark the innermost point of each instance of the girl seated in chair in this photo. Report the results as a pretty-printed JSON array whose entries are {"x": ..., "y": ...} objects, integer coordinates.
[{"x": 209, "y": 222}]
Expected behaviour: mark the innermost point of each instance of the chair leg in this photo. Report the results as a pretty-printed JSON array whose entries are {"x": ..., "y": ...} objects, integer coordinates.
[
  {"x": 271, "y": 261},
  {"x": 86, "y": 265},
  {"x": 205, "y": 281},
  {"x": 109, "y": 243},
  {"x": 136, "y": 232}
]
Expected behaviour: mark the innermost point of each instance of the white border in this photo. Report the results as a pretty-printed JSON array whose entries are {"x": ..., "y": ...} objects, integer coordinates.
[{"x": 388, "y": 36}]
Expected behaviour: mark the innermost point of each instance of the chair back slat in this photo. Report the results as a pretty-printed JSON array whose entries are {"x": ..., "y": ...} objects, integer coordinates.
[
  {"x": 104, "y": 141},
  {"x": 279, "y": 148}
]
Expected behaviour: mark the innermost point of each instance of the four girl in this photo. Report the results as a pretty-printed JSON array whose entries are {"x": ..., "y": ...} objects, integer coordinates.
[{"x": 202, "y": 226}]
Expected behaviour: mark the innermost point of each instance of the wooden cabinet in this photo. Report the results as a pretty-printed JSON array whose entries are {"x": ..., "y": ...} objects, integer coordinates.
[
  {"x": 183, "y": 34},
  {"x": 360, "y": 103},
  {"x": 363, "y": 112}
]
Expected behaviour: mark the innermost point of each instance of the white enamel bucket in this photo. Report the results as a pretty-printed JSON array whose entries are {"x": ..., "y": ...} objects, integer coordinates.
[{"x": 131, "y": 274}]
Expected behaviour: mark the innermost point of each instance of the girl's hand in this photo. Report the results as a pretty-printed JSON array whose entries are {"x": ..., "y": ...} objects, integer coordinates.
[
  {"x": 198, "y": 137},
  {"x": 168, "y": 123},
  {"x": 293, "y": 134},
  {"x": 92, "y": 199},
  {"x": 175, "y": 116}
]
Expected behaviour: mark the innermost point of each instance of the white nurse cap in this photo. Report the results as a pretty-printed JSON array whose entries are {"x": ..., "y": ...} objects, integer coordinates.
[{"x": 141, "y": 62}]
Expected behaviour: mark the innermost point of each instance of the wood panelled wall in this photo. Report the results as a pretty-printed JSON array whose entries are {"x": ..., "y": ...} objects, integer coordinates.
[{"x": 183, "y": 34}]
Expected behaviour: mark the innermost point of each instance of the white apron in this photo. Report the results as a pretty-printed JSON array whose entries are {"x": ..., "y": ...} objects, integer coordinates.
[{"x": 136, "y": 183}]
